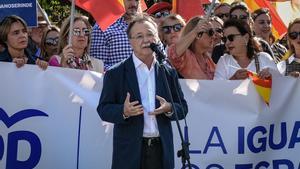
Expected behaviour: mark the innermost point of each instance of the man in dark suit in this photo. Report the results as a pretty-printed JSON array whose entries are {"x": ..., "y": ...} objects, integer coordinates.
[{"x": 135, "y": 99}]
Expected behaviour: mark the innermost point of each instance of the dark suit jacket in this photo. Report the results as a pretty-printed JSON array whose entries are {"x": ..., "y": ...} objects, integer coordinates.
[{"x": 127, "y": 139}]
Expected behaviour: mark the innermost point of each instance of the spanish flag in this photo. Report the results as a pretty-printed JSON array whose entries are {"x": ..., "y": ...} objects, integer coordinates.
[
  {"x": 279, "y": 27},
  {"x": 188, "y": 9},
  {"x": 105, "y": 12},
  {"x": 263, "y": 86}
]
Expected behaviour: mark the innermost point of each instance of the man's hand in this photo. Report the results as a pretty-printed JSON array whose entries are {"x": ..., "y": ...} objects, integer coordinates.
[
  {"x": 164, "y": 107},
  {"x": 132, "y": 108}
]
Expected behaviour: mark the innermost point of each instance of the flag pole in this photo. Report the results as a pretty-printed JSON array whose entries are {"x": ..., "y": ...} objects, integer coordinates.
[
  {"x": 43, "y": 13},
  {"x": 210, "y": 9},
  {"x": 71, "y": 22}
]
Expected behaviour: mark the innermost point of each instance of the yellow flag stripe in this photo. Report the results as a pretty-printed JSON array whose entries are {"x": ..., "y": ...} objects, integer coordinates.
[{"x": 265, "y": 93}]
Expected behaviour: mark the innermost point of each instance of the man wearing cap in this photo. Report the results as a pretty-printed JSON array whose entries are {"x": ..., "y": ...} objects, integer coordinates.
[
  {"x": 159, "y": 11},
  {"x": 112, "y": 46}
]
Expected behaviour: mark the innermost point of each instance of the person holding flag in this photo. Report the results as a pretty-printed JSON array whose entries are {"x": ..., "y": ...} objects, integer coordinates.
[{"x": 244, "y": 54}]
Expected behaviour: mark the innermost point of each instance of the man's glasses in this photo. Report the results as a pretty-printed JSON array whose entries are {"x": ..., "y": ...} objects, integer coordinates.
[
  {"x": 176, "y": 28},
  {"x": 209, "y": 32},
  {"x": 230, "y": 37},
  {"x": 222, "y": 15},
  {"x": 242, "y": 17},
  {"x": 294, "y": 35},
  {"x": 77, "y": 32},
  {"x": 161, "y": 14},
  {"x": 51, "y": 41}
]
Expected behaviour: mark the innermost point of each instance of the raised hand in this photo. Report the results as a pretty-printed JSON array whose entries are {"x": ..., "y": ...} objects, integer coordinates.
[{"x": 164, "y": 107}]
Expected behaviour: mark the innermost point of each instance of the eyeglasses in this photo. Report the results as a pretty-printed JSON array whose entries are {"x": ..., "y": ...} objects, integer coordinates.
[
  {"x": 141, "y": 37},
  {"x": 52, "y": 41},
  {"x": 176, "y": 28},
  {"x": 161, "y": 14},
  {"x": 294, "y": 35},
  {"x": 230, "y": 37},
  {"x": 219, "y": 30},
  {"x": 222, "y": 15},
  {"x": 209, "y": 32},
  {"x": 77, "y": 32},
  {"x": 242, "y": 17}
]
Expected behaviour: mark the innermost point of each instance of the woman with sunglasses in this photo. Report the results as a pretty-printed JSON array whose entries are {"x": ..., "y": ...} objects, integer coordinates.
[
  {"x": 76, "y": 55},
  {"x": 291, "y": 66},
  {"x": 170, "y": 29},
  {"x": 244, "y": 54},
  {"x": 14, "y": 37},
  {"x": 190, "y": 55},
  {"x": 49, "y": 43},
  {"x": 263, "y": 28}
]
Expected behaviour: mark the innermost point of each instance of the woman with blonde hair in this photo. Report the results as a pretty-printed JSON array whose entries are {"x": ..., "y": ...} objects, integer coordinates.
[
  {"x": 49, "y": 43},
  {"x": 190, "y": 55},
  {"x": 170, "y": 29},
  {"x": 74, "y": 55}
]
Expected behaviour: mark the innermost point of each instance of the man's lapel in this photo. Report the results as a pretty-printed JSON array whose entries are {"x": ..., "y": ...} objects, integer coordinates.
[{"x": 131, "y": 78}]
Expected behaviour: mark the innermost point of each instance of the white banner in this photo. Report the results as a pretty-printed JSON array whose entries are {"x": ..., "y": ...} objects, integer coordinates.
[{"x": 48, "y": 119}]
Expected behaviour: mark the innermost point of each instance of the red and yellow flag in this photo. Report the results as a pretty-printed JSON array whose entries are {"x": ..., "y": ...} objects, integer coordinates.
[
  {"x": 105, "y": 12},
  {"x": 263, "y": 86},
  {"x": 188, "y": 9},
  {"x": 279, "y": 27}
]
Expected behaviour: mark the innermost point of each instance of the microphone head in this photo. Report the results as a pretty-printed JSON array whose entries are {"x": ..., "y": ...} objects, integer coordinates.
[{"x": 153, "y": 46}]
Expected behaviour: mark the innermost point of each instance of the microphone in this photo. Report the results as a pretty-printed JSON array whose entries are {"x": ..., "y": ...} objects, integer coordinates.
[{"x": 160, "y": 56}]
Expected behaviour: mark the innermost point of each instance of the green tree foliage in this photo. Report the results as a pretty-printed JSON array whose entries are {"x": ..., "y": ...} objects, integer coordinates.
[{"x": 57, "y": 10}]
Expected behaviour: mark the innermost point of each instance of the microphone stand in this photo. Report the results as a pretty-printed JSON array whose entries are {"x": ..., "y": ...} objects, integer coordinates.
[{"x": 184, "y": 152}]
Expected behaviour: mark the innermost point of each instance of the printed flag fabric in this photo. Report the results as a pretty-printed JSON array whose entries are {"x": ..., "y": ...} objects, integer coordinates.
[
  {"x": 188, "y": 10},
  {"x": 263, "y": 86},
  {"x": 105, "y": 12}
]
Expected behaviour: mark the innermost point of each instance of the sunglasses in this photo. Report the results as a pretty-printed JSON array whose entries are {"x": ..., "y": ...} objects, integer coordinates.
[
  {"x": 243, "y": 17},
  {"x": 294, "y": 35},
  {"x": 77, "y": 32},
  {"x": 222, "y": 15},
  {"x": 209, "y": 32},
  {"x": 176, "y": 28},
  {"x": 219, "y": 30},
  {"x": 230, "y": 37},
  {"x": 161, "y": 14},
  {"x": 51, "y": 41}
]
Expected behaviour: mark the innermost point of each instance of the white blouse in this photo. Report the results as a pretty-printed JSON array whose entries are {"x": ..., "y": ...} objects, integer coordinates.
[{"x": 227, "y": 65}]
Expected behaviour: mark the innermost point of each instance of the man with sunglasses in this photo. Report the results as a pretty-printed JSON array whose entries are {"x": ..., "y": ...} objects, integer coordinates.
[
  {"x": 159, "y": 11},
  {"x": 112, "y": 46}
]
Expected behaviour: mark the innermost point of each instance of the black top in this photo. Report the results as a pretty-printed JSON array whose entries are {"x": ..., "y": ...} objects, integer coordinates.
[{"x": 6, "y": 57}]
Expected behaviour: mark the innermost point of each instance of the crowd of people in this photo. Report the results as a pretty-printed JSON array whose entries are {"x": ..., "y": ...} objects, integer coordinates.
[
  {"x": 202, "y": 48},
  {"x": 226, "y": 45}
]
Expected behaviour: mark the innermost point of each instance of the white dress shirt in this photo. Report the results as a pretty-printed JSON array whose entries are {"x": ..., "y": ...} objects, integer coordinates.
[
  {"x": 146, "y": 81},
  {"x": 227, "y": 65}
]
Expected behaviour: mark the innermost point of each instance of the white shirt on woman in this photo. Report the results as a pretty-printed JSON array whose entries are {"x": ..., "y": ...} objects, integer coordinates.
[{"x": 227, "y": 65}]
